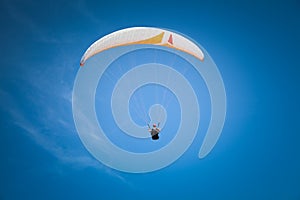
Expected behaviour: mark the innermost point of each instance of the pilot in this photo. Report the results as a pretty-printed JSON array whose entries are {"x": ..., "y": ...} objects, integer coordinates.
[{"x": 154, "y": 132}]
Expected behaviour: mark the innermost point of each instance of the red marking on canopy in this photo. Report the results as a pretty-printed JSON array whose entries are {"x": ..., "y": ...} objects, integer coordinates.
[{"x": 170, "y": 40}]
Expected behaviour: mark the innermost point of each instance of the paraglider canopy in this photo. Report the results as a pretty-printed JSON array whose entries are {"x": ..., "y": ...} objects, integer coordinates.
[{"x": 143, "y": 35}]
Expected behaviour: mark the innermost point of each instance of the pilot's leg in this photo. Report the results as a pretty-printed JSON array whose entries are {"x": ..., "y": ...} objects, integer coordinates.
[{"x": 155, "y": 137}]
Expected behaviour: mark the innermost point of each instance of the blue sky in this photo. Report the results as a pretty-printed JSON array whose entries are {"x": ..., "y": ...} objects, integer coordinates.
[{"x": 255, "y": 45}]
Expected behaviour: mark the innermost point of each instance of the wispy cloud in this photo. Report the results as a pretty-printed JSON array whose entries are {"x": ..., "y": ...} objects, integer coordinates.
[
  {"x": 54, "y": 133},
  {"x": 81, "y": 7},
  {"x": 36, "y": 131},
  {"x": 45, "y": 111},
  {"x": 18, "y": 15},
  {"x": 40, "y": 32}
]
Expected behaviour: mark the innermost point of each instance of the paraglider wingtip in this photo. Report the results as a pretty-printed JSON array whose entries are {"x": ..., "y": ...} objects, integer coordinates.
[{"x": 81, "y": 64}]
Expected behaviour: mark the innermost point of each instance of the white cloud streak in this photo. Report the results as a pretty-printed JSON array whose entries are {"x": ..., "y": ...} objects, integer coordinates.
[
  {"x": 54, "y": 133},
  {"x": 49, "y": 121}
]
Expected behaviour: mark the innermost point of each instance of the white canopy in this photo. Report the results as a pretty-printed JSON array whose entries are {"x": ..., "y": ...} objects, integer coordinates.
[{"x": 143, "y": 35}]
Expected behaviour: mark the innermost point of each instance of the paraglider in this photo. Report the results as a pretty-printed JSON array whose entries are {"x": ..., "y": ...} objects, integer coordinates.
[{"x": 142, "y": 36}]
